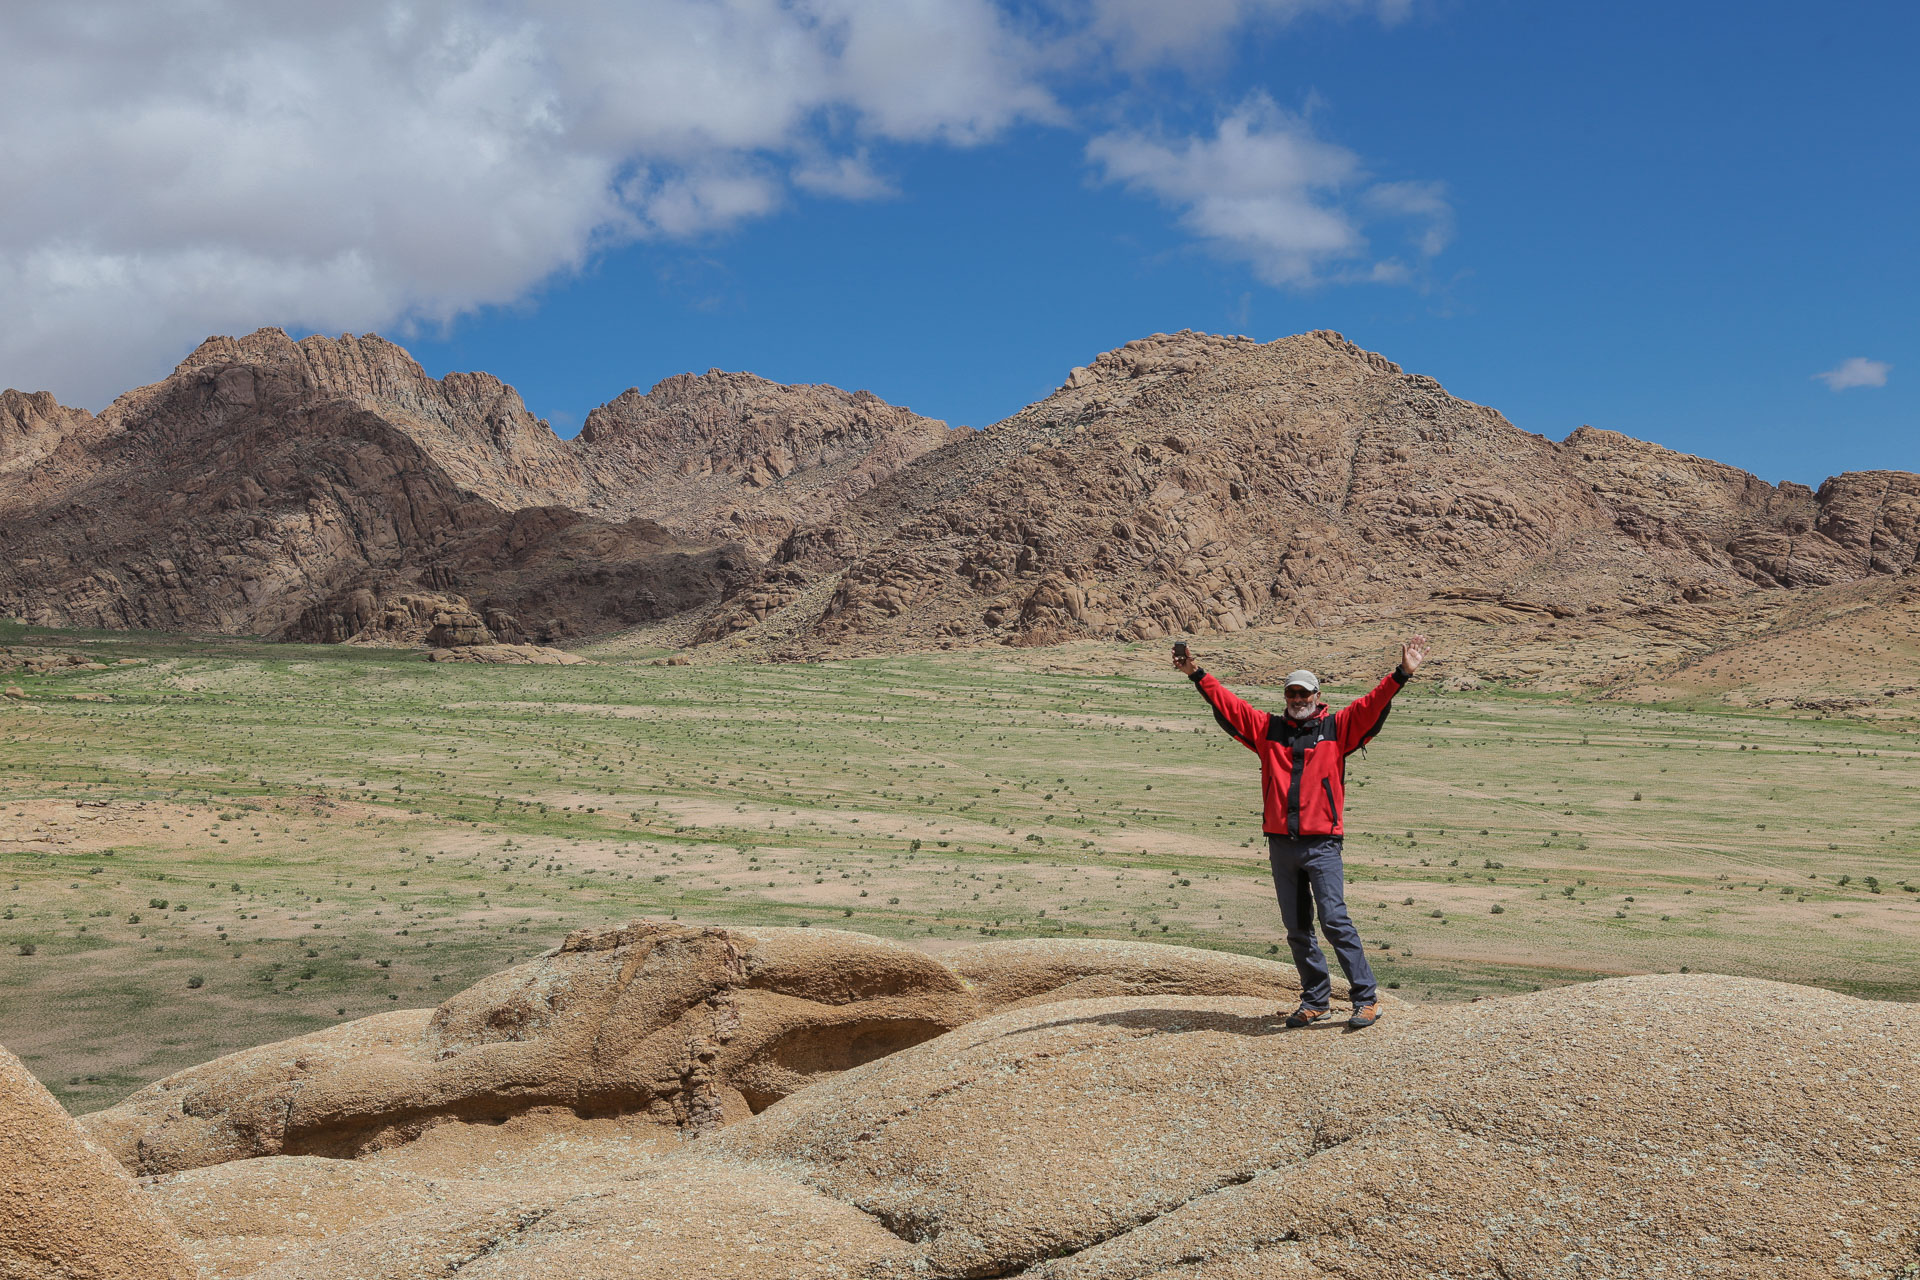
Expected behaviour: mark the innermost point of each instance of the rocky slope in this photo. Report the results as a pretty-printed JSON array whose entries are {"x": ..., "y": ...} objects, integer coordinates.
[
  {"x": 1184, "y": 483},
  {"x": 691, "y": 1028},
  {"x": 66, "y": 1208},
  {"x": 730, "y": 455},
  {"x": 1199, "y": 484},
  {"x": 301, "y": 489},
  {"x": 1109, "y": 1110}
]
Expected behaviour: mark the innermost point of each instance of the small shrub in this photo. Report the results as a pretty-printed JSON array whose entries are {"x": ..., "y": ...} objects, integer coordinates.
[
  {"x": 27, "y": 948},
  {"x": 1498, "y": 910},
  {"x": 196, "y": 982},
  {"x": 160, "y": 904}
]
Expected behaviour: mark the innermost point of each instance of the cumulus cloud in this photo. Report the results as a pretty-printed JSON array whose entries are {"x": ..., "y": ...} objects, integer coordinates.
[
  {"x": 847, "y": 177},
  {"x": 1143, "y": 33},
  {"x": 1856, "y": 371},
  {"x": 191, "y": 166},
  {"x": 1263, "y": 189},
  {"x": 181, "y": 167}
]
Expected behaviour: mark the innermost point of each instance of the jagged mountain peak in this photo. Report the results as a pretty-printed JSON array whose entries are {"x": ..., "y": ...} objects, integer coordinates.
[{"x": 1196, "y": 483}]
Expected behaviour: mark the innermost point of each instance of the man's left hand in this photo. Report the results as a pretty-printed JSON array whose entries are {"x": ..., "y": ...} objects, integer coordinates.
[{"x": 1412, "y": 654}]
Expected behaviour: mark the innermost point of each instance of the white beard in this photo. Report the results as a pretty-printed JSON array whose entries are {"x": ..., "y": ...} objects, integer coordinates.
[{"x": 1300, "y": 713}]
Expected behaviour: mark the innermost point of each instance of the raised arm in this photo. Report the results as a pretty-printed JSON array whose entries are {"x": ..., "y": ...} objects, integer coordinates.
[
  {"x": 1360, "y": 720},
  {"x": 1247, "y": 723}
]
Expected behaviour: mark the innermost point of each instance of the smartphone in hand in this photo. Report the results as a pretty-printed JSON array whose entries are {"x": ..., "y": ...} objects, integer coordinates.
[{"x": 1179, "y": 649}]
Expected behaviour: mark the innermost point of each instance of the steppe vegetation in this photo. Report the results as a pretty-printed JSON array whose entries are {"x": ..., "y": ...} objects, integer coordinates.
[{"x": 233, "y": 842}]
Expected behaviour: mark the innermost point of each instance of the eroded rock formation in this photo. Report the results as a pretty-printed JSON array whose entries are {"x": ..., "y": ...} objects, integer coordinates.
[
  {"x": 1634, "y": 1126},
  {"x": 67, "y": 1210},
  {"x": 1185, "y": 483},
  {"x": 691, "y": 1027},
  {"x": 305, "y": 490},
  {"x": 1196, "y": 484},
  {"x": 1105, "y": 1111},
  {"x": 730, "y": 455}
]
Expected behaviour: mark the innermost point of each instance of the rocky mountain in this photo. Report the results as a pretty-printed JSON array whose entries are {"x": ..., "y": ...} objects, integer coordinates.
[
  {"x": 310, "y": 490},
  {"x": 660, "y": 1100},
  {"x": 322, "y": 489},
  {"x": 730, "y": 455},
  {"x": 1189, "y": 483}
]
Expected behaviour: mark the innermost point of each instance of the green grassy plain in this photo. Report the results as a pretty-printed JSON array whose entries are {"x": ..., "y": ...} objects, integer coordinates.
[{"x": 337, "y": 831}]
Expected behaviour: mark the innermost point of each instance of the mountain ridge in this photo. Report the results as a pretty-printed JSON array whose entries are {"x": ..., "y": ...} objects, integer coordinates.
[
  {"x": 1182, "y": 483},
  {"x": 1192, "y": 484}
]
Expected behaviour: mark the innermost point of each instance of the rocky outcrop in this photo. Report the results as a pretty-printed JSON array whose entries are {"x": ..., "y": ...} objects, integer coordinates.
[
  {"x": 67, "y": 1210},
  {"x": 690, "y": 1027},
  {"x": 1094, "y": 1113},
  {"x": 728, "y": 456},
  {"x": 1019, "y": 972},
  {"x": 305, "y": 490},
  {"x": 32, "y": 430},
  {"x": 1685, "y": 1125},
  {"x": 234, "y": 1219},
  {"x": 507, "y": 655},
  {"x": 473, "y": 426},
  {"x": 322, "y": 490},
  {"x": 693, "y": 1219},
  {"x": 1196, "y": 484},
  {"x": 693, "y": 1028}
]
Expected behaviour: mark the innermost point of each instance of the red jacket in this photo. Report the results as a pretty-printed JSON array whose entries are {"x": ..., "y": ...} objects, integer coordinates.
[{"x": 1303, "y": 763}]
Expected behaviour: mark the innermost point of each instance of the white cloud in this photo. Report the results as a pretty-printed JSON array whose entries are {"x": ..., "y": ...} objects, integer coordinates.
[
  {"x": 1144, "y": 33},
  {"x": 1856, "y": 371},
  {"x": 1265, "y": 190},
  {"x": 846, "y": 177},
  {"x": 1423, "y": 203},
  {"x": 182, "y": 167},
  {"x": 191, "y": 166}
]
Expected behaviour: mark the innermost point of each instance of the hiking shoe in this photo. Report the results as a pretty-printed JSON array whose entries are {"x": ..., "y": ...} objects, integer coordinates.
[
  {"x": 1364, "y": 1015},
  {"x": 1306, "y": 1016}
]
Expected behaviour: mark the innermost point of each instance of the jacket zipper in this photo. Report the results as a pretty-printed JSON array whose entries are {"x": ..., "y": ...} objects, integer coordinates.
[
  {"x": 1297, "y": 772},
  {"x": 1333, "y": 810}
]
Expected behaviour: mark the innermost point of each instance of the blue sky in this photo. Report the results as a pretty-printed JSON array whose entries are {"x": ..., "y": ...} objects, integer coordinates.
[{"x": 1660, "y": 219}]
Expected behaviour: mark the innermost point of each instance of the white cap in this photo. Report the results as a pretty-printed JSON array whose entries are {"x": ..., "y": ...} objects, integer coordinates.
[{"x": 1305, "y": 679}]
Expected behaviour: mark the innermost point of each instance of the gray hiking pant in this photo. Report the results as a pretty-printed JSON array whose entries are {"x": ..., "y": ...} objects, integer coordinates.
[{"x": 1307, "y": 871}]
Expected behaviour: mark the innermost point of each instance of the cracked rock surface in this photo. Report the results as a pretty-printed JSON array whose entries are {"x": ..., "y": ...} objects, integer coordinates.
[
  {"x": 691, "y": 1027},
  {"x": 67, "y": 1211},
  {"x": 1094, "y": 1111},
  {"x": 1661, "y": 1125}
]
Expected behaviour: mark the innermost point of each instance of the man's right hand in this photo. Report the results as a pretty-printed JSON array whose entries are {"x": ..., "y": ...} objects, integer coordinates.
[{"x": 1186, "y": 666}]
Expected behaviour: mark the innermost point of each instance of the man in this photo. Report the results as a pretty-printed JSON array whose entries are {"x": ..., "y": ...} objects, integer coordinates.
[{"x": 1303, "y": 775}]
